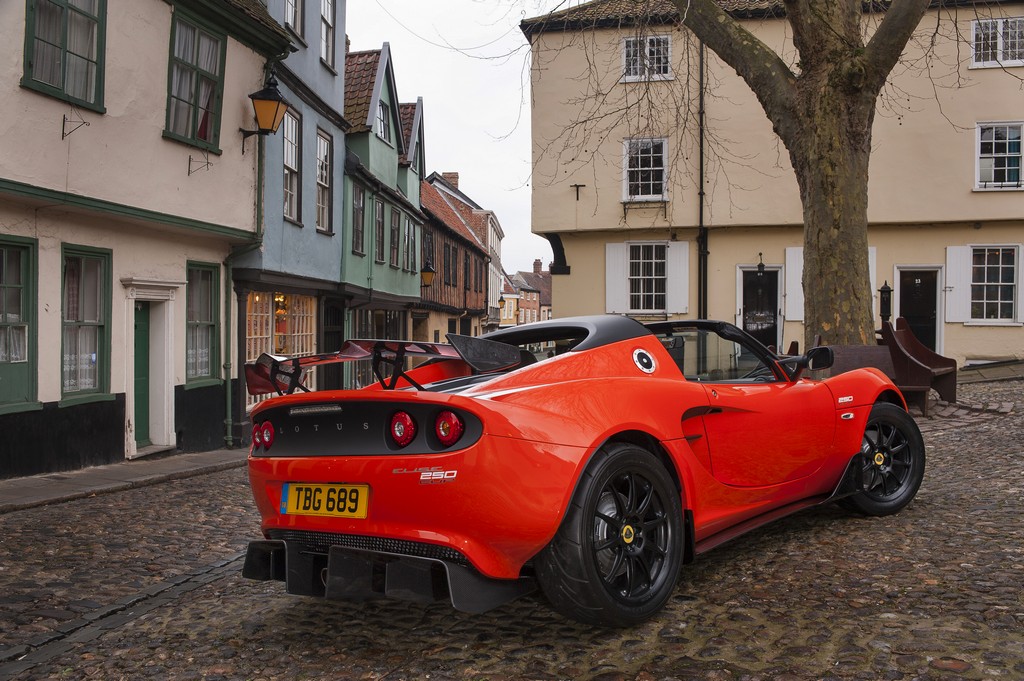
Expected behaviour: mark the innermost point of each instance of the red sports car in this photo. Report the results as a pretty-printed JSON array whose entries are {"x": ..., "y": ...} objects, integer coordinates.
[{"x": 589, "y": 456}]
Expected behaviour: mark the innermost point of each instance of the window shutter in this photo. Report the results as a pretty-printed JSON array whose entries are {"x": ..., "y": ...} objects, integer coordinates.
[
  {"x": 958, "y": 283},
  {"x": 1020, "y": 283},
  {"x": 677, "y": 277},
  {"x": 873, "y": 279},
  {"x": 616, "y": 278},
  {"x": 794, "y": 286}
]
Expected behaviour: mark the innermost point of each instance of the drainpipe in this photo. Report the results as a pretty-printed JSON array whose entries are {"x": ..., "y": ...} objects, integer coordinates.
[
  {"x": 702, "y": 231},
  {"x": 229, "y": 423}
]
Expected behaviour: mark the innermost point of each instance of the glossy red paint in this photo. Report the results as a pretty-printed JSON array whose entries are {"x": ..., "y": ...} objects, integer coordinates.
[{"x": 739, "y": 451}]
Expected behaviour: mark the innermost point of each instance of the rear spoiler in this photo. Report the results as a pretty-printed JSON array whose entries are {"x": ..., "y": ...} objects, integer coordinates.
[{"x": 284, "y": 375}]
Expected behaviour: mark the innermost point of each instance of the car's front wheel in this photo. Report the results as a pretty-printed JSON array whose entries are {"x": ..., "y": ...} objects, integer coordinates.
[
  {"x": 892, "y": 451},
  {"x": 615, "y": 559}
]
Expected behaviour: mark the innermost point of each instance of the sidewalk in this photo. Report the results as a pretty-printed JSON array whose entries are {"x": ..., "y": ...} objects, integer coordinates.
[
  {"x": 997, "y": 371},
  {"x": 37, "y": 490}
]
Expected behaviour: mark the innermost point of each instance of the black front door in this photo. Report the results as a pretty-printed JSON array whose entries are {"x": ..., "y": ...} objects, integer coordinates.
[
  {"x": 919, "y": 303},
  {"x": 760, "y": 305}
]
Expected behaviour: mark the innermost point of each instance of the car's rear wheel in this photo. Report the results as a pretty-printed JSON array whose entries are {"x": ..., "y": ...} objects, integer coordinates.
[
  {"x": 893, "y": 468},
  {"x": 615, "y": 559}
]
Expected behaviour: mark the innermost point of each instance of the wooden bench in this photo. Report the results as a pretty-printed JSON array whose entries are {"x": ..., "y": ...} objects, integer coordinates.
[
  {"x": 849, "y": 357},
  {"x": 916, "y": 365}
]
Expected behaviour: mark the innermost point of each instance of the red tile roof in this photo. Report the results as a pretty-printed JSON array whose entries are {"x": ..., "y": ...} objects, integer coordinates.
[
  {"x": 407, "y": 113},
  {"x": 360, "y": 77},
  {"x": 440, "y": 208}
]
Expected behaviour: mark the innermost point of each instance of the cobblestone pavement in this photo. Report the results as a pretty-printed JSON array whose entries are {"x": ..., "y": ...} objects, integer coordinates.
[{"x": 145, "y": 584}]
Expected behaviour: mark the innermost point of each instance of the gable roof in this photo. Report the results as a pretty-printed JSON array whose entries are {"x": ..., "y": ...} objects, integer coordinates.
[
  {"x": 440, "y": 209},
  {"x": 629, "y": 13},
  {"x": 534, "y": 281},
  {"x": 367, "y": 73},
  {"x": 411, "y": 115},
  {"x": 360, "y": 78}
]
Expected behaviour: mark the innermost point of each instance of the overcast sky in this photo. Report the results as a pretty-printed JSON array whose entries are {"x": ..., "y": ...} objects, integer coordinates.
[{"x": 469, "y": 62}]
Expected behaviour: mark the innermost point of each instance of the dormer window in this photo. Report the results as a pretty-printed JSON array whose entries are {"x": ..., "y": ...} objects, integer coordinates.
[{"x": 384, "y": 121}]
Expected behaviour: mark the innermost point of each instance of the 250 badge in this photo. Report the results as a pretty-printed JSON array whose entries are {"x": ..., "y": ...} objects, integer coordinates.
[{"x": 432, "y": 475}]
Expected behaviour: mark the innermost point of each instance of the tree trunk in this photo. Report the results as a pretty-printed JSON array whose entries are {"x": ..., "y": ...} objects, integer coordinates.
[
  {"x": 823, "y": 115},
  {"x": 830, "y": 147}
]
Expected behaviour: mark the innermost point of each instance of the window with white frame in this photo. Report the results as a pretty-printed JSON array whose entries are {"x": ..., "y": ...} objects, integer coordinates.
[
  {"x": 645, "y": 172},
  {"x": 993, "y": 283},
  {"x": 647, "y": 58},
  {"x": 293, "y": 15},
  {"x": 999, "y": 155},
  {"x": 647, "y": 277},
  {"x": 282, "y": 324},
  {"x": 323, "y": 182},
  {"x": 292, "y": 133},
  {"x": 384, "y": 121},
  {"x": 327, "y": 32},
  {"x": 998, "y": 42}
]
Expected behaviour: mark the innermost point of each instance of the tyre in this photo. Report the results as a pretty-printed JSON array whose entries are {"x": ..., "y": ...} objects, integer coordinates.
[
  {"x": 893, "y": 452},
  {"x": 616, "y": 557}
]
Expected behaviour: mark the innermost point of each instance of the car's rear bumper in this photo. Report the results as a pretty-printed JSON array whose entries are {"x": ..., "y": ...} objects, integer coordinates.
[
  {"x": 496, "y": 503},
  {"x": 312, "y": 564}
]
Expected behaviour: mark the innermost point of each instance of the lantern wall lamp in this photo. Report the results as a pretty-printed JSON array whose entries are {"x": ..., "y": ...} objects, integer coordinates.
[{"x": 269, "y": 106}]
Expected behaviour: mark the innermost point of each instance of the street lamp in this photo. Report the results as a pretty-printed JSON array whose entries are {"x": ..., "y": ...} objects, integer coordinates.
[
  {"x": 427, "y": 275},
  {"x": 885, "y": 301},
  {"x": 269, "y": 107}
]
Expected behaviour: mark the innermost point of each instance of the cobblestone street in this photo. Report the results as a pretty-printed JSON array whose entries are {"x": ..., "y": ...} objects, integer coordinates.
[{"x": 145, "y": 583}]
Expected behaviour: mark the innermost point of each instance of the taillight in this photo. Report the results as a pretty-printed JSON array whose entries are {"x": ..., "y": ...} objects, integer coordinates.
[
  {"x": 263, "y": 434},
  {"x": 403, "y": 428},
  {"x": 449, "y": 428}
]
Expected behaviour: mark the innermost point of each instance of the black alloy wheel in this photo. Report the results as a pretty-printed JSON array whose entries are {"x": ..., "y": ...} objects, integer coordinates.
[
  {"x": 893, "y": 457},
  {"x": 615, "y": 560}
]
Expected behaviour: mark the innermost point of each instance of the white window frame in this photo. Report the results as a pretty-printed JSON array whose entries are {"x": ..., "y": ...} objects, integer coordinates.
[
  {"x": 384, "y": 121},
  {"x": 1013, "y": 285},
  {"x": 627, "y": 154},
  {"x": 985, "y": 185},
  {"x": 293, "y": 13},
  {"x": 959, "y": 278},
  {"x": 324, "y": 152},
  {"x": 327, "y": 41},
  {"x": 1003, "y": 45},
  {"x": 677, "y": 278},
  {"x": 639, "y": 69},
  {"x": 291, "y": 131}
]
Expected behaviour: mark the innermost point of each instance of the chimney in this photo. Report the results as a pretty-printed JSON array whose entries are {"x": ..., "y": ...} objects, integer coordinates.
[
  {"x": 537, "y": 267},
  {"x": 451, "y": 178},
  {"x": 348, "y": 43}
]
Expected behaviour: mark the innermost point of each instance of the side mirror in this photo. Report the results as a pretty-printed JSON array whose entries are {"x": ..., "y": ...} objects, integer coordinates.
[
  {"x": 820, "y": 357},
  {"x": 817, "y": 358}
]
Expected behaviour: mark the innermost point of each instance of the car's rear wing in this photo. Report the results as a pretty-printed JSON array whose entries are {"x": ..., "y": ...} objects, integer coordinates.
[{"x": 284, "y": 375}]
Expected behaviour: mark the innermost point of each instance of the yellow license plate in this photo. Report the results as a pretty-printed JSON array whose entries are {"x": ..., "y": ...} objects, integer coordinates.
[{"x": 335, "y": 501}]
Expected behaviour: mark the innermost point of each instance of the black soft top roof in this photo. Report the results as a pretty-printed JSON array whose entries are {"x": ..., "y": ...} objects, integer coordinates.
[{"x": 592, "y": 331}]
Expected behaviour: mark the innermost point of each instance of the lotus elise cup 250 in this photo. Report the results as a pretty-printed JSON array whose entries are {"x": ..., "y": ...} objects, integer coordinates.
[{"x": 589, "y": 456}]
